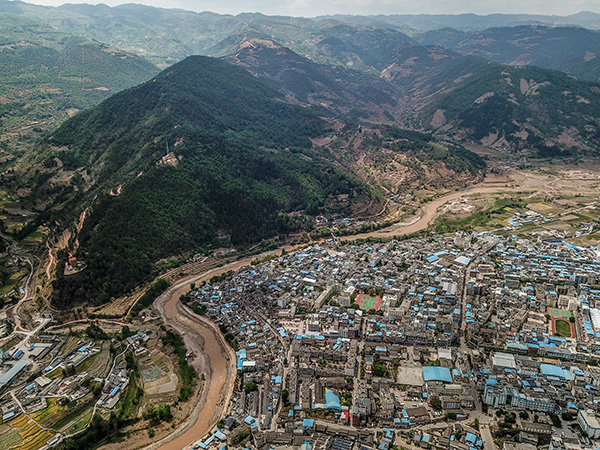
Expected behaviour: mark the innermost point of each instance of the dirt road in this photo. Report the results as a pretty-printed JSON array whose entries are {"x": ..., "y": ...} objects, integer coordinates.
[{"x": 429, "y": 211}]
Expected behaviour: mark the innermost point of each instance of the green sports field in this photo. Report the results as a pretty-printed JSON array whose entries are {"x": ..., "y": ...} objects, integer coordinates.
[{"x": 559, "y": 313}]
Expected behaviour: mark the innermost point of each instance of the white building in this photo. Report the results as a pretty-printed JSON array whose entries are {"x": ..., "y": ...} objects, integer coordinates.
[{"x": 589, "y": 423}]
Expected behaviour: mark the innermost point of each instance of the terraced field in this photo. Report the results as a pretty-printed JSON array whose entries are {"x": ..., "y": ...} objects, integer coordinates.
[
  {"x": 10, "y": 437},
  {"x": 32, "y": 436}
]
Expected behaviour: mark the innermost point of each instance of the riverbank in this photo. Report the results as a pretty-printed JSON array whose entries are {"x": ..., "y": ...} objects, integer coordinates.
[{"x": 220, "y": 358}]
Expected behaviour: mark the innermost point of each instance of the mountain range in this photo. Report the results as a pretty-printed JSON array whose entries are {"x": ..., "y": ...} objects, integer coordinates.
[
  {"x": 567, "y": 49},
  {"x": 204, "y": 155},
  {"x": 369, "y": 68},
  {"x": 48, "y": 75}
]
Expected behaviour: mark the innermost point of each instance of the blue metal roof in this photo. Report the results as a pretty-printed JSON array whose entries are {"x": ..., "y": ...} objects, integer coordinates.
[
  {"x": 555, "y": 371},
  {"x": 308, "y": 423},
  {"x": 435, "y": 373},
  {"x": 332, "y": 401}
]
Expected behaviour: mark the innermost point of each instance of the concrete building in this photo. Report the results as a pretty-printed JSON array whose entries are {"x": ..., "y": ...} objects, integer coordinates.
[{"x": 589, "y": 423}]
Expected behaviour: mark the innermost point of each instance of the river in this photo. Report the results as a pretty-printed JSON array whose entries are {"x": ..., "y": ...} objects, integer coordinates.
[{"x": 220, "y": 360}]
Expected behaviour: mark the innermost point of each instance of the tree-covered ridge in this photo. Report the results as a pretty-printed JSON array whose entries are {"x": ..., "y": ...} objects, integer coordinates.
[
  {"x": 345, "y": 93},
  {"x": 194, "y": 101},
  {"x": 241, "y": 156},
  {"x": 526, "y": 107}
]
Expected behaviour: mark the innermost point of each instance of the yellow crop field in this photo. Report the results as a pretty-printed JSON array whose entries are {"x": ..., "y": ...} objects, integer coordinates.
[
  {"x": 32, "y": 436},
  {"x": 47, "y": 416},
  {"x": 540, "y": 206}
]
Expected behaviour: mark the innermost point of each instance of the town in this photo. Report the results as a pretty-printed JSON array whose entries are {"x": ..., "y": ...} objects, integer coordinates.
[
  {"x": 462, "y": 342},
  {"x": 466, "y": 341}
]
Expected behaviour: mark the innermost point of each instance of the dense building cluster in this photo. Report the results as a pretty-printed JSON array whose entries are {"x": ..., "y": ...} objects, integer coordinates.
[{"x": 414, "y": 341}]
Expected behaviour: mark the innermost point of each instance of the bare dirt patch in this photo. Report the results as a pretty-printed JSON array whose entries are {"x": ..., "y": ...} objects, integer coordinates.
[
  {"x": 540, "y": 207},
  {"x": 459, "y": 206},
  {"x": 439, "y": 119},
  {"x": 483, "y": 97}
]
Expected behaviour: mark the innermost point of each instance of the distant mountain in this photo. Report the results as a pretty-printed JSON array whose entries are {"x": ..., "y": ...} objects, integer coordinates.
[
  {"x": 468, "y": 22},
  {"x": 434, "y": 89},
  {"x": 575, "y": 51},
  {"x": 345, "y": 93},
  {"x": 163, "y": 36},
  {"x": 48, "y": 75},
  {"x": 371, "y": 71}
]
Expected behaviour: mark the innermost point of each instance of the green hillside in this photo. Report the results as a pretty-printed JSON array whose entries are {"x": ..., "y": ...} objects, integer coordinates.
[
  {"x": 46, "y": 75},
  {"x": 541, "y": 111},
  {"x": 241, "y": 156},
  {"x": 567, "y": 49}
]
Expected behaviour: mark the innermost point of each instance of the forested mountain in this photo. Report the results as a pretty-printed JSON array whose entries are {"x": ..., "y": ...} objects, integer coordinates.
[
  {"x": 365, "y": 68},
  {"x": 571, "y": 50},
  {"x": 48, "y": 75},
  {"x": 240, "y": 156},
  {"x": 468, "y": 22},
  {"x": 539, "y": 111},
  {"x": 163, "y": 36},
  {"x": 542, "y": 112},
  {"x": 205, "y": 155}
]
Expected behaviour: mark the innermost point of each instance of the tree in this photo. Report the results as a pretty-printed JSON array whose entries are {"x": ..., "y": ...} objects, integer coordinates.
[
  {"x": 241, "y": 437},
  {"x": 250, "y": 387},
  {"x": 524, "y": 415},
  {"x": 285, "y": 397},
  {"x": 158, "y": 413},
  {"x": 126, "y": 332},
  {"x": 436, "y": 403},
  {"x": 555, "y": 420},
  {"x": 450, "y": 416},
  {"x": 95, "y": 332},
  {"x": 69, "y": 371}
]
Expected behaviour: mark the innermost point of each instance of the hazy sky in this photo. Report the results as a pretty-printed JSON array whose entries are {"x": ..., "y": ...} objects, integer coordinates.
[{"x": 309, "y": 8}]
